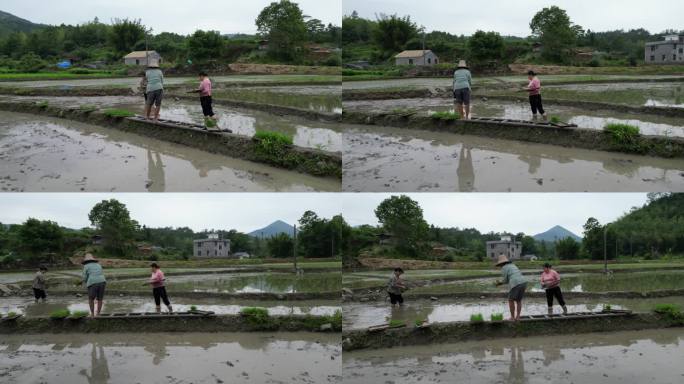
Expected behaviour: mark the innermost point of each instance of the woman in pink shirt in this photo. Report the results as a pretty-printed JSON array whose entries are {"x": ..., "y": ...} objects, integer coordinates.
[
  {"x": 205, "y": 96},
  {"x": 158, "y": 289},
  {"x": 534, "y": 90},
  {"x": 550, "y": 281}
]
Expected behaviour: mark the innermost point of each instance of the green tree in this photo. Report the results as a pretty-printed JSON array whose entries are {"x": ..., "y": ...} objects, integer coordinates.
[
  {"x": 393, "y": 32},
  {"x": 113, "y": 222},
  {"x": 205, "y": 45},
  {"x": 557, "y": 34},
  {"x": 485, "y": 46},
  {"x": 38, "y": 237},
  {"x": 567, "y": 249},
  {"x": 282, "y": 23},
  {"x": 403, "y": 218},
  {"x": 240, "y": 242},
  {"x": 126, "y": 34},
  {"x": 280, "y": 246}
]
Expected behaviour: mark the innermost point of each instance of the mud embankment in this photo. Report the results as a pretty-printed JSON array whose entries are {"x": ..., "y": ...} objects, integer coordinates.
[
  {"x": 305, "y": 160},
  {"x": 466, "y": 331},
  {"x": 669, "y": 147},
  {"x": 179, "y": 323}
]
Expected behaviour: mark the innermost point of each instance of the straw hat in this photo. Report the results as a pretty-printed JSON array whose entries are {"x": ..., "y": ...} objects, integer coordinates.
[
  {"x": 153, "y": 63},
  {"x": 462, "y": 64},
  {"x": 502, "y": 260},
  {"x": 88, "y": 258}
]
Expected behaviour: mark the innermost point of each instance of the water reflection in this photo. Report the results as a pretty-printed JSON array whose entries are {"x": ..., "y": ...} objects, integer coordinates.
[{"x": 99, "y": 369}]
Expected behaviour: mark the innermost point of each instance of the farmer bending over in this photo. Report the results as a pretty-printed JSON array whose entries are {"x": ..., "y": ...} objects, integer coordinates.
[{"x": 516, "y": 283}]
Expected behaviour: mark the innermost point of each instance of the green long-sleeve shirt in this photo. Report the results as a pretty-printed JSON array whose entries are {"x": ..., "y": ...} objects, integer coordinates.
[
  {"x": 92, "y": 274},
  {"x": 462, "y": 79}
]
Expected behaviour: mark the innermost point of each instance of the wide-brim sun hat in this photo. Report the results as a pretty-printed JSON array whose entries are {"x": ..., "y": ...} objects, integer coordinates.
[
  {"x": 502, "y": 260},
  {"x": 88, "y": 258},
  {"x": 462, "y": 64}
]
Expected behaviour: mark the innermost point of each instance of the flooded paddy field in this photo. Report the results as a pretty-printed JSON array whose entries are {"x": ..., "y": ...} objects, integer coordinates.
[
  {"x": 520, "y": 110},
  {"x": 636, "y": 94},
  {"x": 27, "y": 306},
  {"x": 132, "y": 82},
  {"x": 172, "y": 358},
  {"x": 621, "y": 358},
  {"x": 572, "y": 282},
  {"x": 46, "y": 154},
  {"x": 499, "y": 81},
  {"x": 383, "y": 159},
  {"x": 316, "y": 98},
  {"x": 367, "y": 314}
]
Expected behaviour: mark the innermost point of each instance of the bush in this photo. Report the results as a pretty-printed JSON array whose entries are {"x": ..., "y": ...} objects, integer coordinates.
[
  {"x": 59, "y": 314},
  {"x": 255, "y": 315},
  {"x": 271, "y": 145},
  {"x": 446, "y": 115},
  {"x": 622, "y": 134},
  {"x": 476, "y": 318},
  {"x": 117, "y": 113},
  {"x": 496, "y": 317},
  {"x": 31, "y": 63},
  {"x": 671, "y": 312}
]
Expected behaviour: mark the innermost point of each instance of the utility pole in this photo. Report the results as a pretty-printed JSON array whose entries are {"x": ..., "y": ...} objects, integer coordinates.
[
  {"x": 294, "y": 248},
  {"x": 605, "y": 249}
]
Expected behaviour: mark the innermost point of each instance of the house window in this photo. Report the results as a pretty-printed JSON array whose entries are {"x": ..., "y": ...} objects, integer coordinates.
[
  {"x": 436, "y": 60},
  {"x": 664, "y": 57},
  {"x": 429, "y": 60},
  {"x": 681, "y": 50},
  {"x": 653, "y": 48},
  {"x": 674, "y": 57},
  {"x": 137, "y": 62},
  {"x": 410, "y": 61},
  {"x": 652, "y": 58}
]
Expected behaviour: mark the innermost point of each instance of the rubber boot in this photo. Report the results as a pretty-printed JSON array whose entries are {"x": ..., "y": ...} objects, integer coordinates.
[
  {"x": 170, "y": 309},
  {"x": 158, "y": 309},
  {"x": 565, "y": 310},
  {"x": 550, "y": 311}
]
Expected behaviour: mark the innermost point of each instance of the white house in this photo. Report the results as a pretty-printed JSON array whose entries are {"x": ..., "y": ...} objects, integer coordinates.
[
  {"x": 212, "y": 247},
  {"x": 419, "y": 57},
  {"x": 140, "y": 57}
]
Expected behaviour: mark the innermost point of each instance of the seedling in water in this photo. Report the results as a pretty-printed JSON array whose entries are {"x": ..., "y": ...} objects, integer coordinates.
[
  {"x": 396, "y": 324},
  {"x": 78, "y": 315},
  {"x": 193, "y": 308},
  {"x": 446, "y": 115},
  {"x": 476, "y": 318},
  {"x": 496, "y": 317}
]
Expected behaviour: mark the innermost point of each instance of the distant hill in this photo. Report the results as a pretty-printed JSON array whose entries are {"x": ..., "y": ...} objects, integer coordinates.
[
  {"x": 10, "y": 23},
  {"x": 273, "y": 229},
  {"x": 556, "y": 233}
]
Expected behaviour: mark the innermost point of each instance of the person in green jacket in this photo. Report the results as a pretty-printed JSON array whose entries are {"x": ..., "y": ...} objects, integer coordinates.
[
  {"x": 154, "y": 90},
  {"x": 517, "y": 283},
  {"x": 463, "y": 82},
  {"x": 94, "y": 279}
]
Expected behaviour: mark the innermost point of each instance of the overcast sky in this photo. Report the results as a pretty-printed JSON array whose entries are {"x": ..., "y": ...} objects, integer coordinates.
[
  {"x": 180, "y": 16},
  {"x": 513, "y": 17},
  {"x": 498, "y": 212},
  {"x": 242, "y": 211}
]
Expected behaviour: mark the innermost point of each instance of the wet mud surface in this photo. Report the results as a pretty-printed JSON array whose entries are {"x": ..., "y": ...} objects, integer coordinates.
[
  {"x": 384, "y": 159},
  {"x": 171, "y": 358},
  {"x": 43, "y": 154},
  {"x": 620, "y": 358}
]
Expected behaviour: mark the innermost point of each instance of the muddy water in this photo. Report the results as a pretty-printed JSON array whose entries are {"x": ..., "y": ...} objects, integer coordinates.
[
  {"x": 29, "y": 307},
  {"x": 316, "y": 98},
  {"x": 592, "y": 282},
  {"x": 244, "y": 283},
  {"x": 171, "y": 358},
  {"x": 364, "y": 315},
  {"x": 649, "y": 94},
  {"x": 134, "y": 81},
  {"x": 305, "y": 133},
  {"x": 620, "y": 358},
  {"x": 383, "y": 159},
  {"x": 43, "y": 154},
  {"x": 648, "y": 124}
]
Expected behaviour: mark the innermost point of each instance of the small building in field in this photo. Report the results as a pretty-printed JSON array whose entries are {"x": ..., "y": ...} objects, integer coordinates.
[
  {"x": 241, "y": 255},
  {"x": 418, "y": 57},
  {"x": 140, "y": 58},
  {"x": 668, "y": 51},
  {"x": 212, "y": 247},
  {"x": 507, "y": 245}
]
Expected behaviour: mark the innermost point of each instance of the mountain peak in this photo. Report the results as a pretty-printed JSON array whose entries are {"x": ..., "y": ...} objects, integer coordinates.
[
  {"x": 556, "y": 233},
  {"x": 273, "y": 229}
]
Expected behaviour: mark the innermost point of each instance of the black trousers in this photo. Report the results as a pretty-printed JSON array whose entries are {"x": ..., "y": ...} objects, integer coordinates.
[
  {"x": 536, "y": 104},
  {"x": 207, "y": 109},
  {"x": 554, "y": 292},
  {"x": 159, "y": 294},
  {"x": 396, "y": 299}
]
